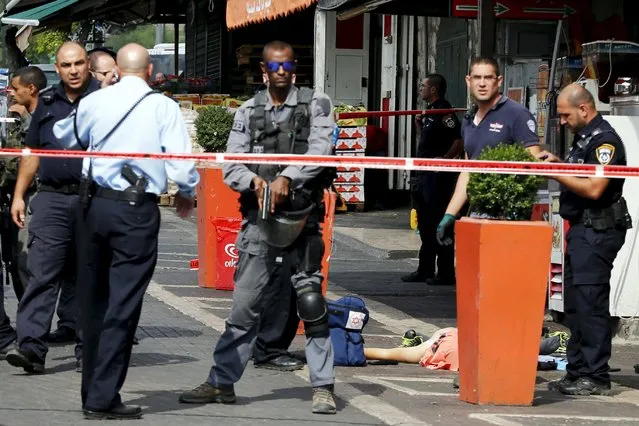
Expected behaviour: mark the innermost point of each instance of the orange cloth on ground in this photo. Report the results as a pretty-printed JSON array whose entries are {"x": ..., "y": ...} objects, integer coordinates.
[{"x": 443, "y": 354}]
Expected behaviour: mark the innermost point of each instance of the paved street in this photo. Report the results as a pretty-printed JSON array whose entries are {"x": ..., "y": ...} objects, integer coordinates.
[{"x": 181, "y": 321}]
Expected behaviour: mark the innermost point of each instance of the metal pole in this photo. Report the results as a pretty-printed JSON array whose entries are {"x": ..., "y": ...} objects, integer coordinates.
[
  {"x": 176, "y": 27},
  {"x": 9, "y": 6},
  {"x": 486, "y": 17},
  {"x": 551, "y": 80},
  {"x": 159, "y": 33}
]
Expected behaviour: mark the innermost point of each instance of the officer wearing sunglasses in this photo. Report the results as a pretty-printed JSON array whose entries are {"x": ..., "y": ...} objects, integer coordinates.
[{"x": 283, "y": 119}]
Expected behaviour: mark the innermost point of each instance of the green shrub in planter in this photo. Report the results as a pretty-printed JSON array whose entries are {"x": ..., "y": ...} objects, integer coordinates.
[
  {"x": 500, "y": 196},
  {"x": 212, "y": 128}
]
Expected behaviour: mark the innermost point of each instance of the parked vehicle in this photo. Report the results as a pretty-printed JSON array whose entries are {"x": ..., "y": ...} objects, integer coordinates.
[{"x": 49, "y": 70}]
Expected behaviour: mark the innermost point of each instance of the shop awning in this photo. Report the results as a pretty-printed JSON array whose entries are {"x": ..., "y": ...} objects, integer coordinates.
[
  {"x": 33, "y": 16},
  {"x": 240, "y": 13},
  {"x": 348, "y": 8}
]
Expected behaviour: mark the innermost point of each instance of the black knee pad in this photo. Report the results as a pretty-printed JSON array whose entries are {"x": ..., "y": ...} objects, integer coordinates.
[
  {"x": 312, "y": 309},
  {"x": 313, "y": 254}
]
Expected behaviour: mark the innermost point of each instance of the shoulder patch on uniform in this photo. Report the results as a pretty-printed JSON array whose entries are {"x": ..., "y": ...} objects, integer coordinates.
[
  {"x": 531, "y": 125},
  {"x": 605, "y": 153},
  {"x": 449, "y": 121},
  {"x": 324, "y": 105},
  {"x": 238, "y": 126}
]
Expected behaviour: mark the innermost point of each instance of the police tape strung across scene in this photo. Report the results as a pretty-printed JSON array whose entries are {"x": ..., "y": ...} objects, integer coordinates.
[
  {"x": 365, "y": 114},
  {"x": 389, "y": 163}
]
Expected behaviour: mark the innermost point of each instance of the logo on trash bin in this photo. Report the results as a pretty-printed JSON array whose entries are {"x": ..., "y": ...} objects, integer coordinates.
[{"x": 231, "y": 252}]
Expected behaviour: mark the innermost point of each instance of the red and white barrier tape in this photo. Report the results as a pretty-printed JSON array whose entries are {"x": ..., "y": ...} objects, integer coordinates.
[
  {"x": 389, "y": 163},
  {"x": 366, "y": 114}
]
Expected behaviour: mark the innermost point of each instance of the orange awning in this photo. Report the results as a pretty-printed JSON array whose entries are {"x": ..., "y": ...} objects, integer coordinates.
[{"x": 240, "y": 13}]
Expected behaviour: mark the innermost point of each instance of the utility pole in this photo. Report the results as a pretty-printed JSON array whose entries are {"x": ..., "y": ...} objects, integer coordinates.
[
  {"x": 159, "y": 33},
  {"x": 486, "y": 20},
  {"x": 3, "y": 51}
]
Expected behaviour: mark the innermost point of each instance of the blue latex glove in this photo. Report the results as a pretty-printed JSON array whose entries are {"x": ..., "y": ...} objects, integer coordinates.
[{"x": 447, "y": 221}]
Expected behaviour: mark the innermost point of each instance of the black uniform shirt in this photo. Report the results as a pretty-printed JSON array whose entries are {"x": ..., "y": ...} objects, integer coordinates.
[
  {"x": 597, "y": 143},
  {"x": 439, "y": 132},
  {"x": 54, "y": 105}
]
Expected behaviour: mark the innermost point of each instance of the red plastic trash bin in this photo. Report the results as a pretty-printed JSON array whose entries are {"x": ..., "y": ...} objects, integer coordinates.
[{"x": 226, "y": 230}]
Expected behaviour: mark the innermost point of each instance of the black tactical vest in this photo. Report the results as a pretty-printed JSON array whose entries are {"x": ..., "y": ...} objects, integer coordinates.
[{"x": 288, "y": 137}]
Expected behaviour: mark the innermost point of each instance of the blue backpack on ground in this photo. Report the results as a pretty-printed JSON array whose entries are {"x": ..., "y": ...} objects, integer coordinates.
[{"x": 346, "y": 320}]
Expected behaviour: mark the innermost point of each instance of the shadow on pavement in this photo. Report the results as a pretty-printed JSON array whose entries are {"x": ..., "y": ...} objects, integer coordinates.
[{"x": 162, "y": 402}]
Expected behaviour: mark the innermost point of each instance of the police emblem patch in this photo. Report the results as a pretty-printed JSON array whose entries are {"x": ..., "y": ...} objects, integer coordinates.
[
  {"x": 449, "y": 121},
  {"x": 238, "y": 126},
  {"x": 531, "y": 125},
  {"x": 605, "y": 153}
]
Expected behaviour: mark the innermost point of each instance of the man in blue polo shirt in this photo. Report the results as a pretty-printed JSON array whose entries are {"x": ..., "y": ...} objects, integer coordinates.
[{"x": 492, "y": 120}]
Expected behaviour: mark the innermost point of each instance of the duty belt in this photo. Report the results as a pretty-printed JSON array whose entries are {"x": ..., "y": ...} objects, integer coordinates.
[
  {"x": 131, "y": 197},
  {"x": 69, "y": 189}
]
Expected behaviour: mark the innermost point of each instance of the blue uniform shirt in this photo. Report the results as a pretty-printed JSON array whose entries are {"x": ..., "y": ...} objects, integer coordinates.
[
  {"x": 156, "y": 125},
  {"x": 507, "y": 122},
  {"x": 53, "y": 105}
]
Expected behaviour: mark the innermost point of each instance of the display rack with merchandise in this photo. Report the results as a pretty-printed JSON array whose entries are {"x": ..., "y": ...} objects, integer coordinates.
[{"x": 351, "y": 141}]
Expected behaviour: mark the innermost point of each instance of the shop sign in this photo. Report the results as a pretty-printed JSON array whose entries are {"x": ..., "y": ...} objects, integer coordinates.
[{"x": 541, "y": 10}]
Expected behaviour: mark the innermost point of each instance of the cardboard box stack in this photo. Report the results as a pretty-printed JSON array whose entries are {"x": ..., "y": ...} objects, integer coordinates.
[{"x": 351, "y": 141}]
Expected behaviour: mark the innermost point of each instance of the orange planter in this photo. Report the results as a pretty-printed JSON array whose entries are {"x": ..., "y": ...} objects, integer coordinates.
[
  {"x": 502, "y": 275},
  {"x": 215, "y": 200}
]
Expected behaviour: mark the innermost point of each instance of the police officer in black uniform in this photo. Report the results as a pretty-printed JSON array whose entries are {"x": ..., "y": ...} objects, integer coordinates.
[
  {"x": 52, "y": 233},
  {"x": 440, "y": 138},
  {"x": 599, "y": 220}
]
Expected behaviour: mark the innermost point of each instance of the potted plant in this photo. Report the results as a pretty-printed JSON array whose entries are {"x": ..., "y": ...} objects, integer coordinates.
[
  {"x": 499, "y": 196},
  {"x": 502, "y": 276},
  {"x": 217, "y": 203}
]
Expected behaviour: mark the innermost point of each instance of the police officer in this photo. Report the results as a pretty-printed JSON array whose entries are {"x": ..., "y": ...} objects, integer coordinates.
[
  {"x": 283, "y": 119},
  {"x": 440, "y": 138},
  {"x": 26, "y": 84},
  {"x": 121, "y": 246},
  {"x": 278, "y": 320},
  {"x": 51, "y": 259},
  {"x": 492, "y": 120},
  {"x": 598, "y": 219},
  {"x": 102, "y": 66}
]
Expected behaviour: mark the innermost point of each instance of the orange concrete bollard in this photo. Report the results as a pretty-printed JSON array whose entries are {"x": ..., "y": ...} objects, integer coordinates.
[
  {"x": 502, "y": 277},
  {"x": 215, "y": 200},
  {"x": 330, "y": 199}
]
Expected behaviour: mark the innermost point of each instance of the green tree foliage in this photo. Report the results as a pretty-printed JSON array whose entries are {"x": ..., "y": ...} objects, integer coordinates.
[
  {"x": 42, "y": 46},
  {"x": 141, "y": 34},
  {"x": 501, "y": 196},
  {"x": 212, "y": 127}
]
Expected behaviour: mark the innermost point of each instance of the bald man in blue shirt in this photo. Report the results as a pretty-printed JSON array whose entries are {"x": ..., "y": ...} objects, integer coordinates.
[{"x": 121, "y": 246}]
